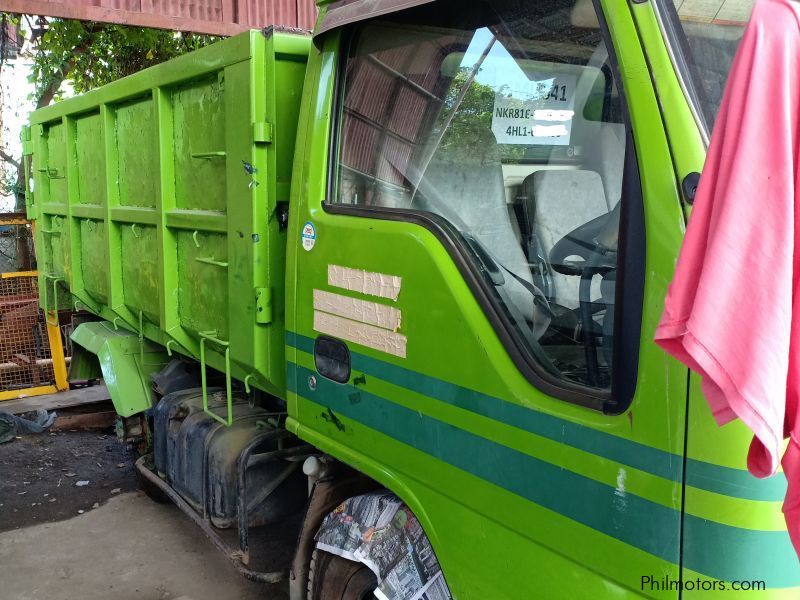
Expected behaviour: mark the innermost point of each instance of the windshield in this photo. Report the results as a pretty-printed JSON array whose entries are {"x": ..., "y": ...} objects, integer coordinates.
[
  {"x": 707, "y": 35},
  {"x": 503, "y": 119}
]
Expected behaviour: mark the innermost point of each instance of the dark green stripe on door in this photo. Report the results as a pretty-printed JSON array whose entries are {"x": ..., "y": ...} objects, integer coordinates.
[
  {"x": 716, "y": 550},
  {"x": 699, "y": 474}
]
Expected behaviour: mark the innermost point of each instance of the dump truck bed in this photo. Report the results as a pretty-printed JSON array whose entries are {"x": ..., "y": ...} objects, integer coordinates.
[{"x": 160, "y": 199}]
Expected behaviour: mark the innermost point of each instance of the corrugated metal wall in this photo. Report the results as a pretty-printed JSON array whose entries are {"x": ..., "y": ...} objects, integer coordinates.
[{"x": 218, "y": 17}]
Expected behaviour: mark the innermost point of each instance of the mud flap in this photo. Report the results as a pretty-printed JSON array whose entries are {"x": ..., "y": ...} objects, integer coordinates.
[{"x": 126, "y": 363}]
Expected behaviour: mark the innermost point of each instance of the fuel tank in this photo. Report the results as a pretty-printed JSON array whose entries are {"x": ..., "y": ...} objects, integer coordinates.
[{"x": 199, "y": 457}]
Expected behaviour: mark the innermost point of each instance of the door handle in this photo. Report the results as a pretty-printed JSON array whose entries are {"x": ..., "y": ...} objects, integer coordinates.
[{"x": 332, "y": 359}]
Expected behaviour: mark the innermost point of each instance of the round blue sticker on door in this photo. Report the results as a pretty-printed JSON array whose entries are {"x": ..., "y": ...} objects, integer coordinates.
[{"x": 308, "y": 236}]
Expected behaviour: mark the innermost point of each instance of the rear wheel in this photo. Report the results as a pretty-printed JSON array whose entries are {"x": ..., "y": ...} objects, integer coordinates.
[{"x": 335, "y": 578}]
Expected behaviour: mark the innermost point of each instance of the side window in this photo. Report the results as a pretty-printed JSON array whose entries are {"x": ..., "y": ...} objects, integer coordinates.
[
  {"x": 704, "y": 38},
  {"x": 504, "y": 119}
]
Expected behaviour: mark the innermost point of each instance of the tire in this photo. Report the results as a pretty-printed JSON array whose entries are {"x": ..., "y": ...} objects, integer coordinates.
[{"x": 332, "y": 577}]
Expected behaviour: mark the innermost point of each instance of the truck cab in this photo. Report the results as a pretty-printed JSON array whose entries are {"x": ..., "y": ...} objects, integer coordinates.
[
  {"x": 425, "y": 249},
  {"x": 497, "y": 193}
]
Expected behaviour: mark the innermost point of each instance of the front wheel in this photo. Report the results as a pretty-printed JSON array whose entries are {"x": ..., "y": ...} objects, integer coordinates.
[{"x": 332, "y": 577}]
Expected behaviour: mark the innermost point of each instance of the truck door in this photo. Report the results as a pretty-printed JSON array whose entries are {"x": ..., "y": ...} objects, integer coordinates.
[
  {"x": 484, "y": 225},
  {"x": 725, "y": 508}
]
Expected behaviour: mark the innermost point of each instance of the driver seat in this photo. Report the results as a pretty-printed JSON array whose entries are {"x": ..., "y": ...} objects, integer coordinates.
[
  {"x": 470, "y": 193},
  {"x": 557, "y": 202}
]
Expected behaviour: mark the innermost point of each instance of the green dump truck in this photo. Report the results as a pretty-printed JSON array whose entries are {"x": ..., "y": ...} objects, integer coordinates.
[{"x": 423, "y": 251}]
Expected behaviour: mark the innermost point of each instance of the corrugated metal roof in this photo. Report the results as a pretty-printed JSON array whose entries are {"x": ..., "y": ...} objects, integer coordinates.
[{"x": 217, "y": 17}]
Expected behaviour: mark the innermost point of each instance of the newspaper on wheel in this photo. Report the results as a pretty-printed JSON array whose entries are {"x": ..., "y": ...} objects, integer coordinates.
[{"x": 381, "y": 532}]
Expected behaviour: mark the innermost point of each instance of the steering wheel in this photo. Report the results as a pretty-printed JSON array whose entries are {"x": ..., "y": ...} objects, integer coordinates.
[
  {"x": 586, "y": 251},
  {"x": 590, "y": 245}
]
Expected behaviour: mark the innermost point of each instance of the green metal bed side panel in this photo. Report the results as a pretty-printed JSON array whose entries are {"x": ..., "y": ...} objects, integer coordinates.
[
  {"x": 159, "y": 197},
  {"x": 125, "y": 361}
]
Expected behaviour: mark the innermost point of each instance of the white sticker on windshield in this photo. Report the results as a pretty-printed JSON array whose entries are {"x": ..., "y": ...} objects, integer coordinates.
[{"x": 539, "y": 114}]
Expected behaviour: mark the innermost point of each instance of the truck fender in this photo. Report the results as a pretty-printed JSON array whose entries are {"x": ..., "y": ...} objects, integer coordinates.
[{"x": 326, "y": 494}]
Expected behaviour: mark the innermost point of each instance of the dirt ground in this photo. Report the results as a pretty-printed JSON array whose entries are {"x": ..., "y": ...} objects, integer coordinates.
[
  {"x": 103, "y": 539},
  {"x": 40, "y": 476}
]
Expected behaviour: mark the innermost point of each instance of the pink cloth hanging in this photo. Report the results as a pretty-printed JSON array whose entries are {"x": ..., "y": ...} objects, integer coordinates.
[{"x": 732, "y": 312}]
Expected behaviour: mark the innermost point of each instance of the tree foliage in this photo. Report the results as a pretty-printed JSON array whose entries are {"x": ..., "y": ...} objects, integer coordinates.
[
  {"x": 84, "y": 54},
  {"x": 89, "y": 55},
  {"x": 469, "y": 136}
]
